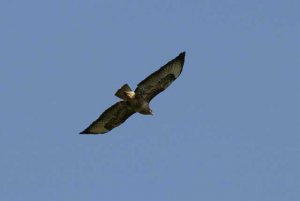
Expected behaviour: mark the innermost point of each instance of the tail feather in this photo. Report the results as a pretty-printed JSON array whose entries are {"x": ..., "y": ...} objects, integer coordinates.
[{"x": 124, "y": 92}]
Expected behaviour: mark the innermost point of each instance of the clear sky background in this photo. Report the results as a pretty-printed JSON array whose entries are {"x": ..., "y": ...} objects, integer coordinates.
[{"x": 227, "y": 129}]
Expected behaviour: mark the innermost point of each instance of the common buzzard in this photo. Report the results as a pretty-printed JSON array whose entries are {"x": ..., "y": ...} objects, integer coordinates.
[{"x": 138, "y": 100}]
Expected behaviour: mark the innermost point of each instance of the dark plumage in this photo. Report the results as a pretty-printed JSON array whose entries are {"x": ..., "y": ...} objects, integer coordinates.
[{"x": 138, "y": 100}]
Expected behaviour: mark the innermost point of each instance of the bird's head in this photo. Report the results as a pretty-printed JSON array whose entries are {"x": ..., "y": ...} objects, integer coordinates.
[{"x": 147, "y": 111}]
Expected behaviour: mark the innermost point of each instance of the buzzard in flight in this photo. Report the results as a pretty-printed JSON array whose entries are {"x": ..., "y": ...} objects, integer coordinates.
[{"x": 137, "y": 100}]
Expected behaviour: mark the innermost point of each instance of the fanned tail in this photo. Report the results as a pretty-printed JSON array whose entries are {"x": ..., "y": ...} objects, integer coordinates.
[{"x": 125, "y": 92}]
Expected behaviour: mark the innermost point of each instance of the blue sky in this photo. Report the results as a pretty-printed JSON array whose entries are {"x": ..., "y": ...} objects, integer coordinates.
[{"x": 227, "y": 129}]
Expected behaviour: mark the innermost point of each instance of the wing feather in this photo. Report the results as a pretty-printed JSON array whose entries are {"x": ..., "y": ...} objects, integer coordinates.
[
  {"x": 160, "y": 79},
  {"x": 110, "y": 118}
]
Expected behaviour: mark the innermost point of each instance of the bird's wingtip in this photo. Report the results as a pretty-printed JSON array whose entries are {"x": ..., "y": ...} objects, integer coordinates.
[
  {"x": 181, "y": 55},
  {"x": 83, "y": 132}
]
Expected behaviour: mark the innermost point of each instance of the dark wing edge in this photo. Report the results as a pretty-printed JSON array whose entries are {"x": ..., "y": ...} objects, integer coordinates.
[
  {"x": 161, "y": 79},
  {"x": 110, "y": 118}
]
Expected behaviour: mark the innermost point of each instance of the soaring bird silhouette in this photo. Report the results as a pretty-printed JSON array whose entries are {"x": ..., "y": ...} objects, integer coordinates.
[{"x": 137, "y": 100}]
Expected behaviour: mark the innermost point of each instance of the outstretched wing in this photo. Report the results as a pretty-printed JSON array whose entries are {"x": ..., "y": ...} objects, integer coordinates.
[
  {"x": 110, "y": 118},
  {"x": 160, "y": 79}
]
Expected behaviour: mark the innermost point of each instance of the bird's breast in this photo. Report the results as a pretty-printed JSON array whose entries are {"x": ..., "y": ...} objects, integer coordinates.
[{"x": 138, "y": 104}]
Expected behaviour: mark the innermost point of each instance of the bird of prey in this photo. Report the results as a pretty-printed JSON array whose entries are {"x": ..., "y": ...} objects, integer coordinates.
[{"x": 137, "y": 100}]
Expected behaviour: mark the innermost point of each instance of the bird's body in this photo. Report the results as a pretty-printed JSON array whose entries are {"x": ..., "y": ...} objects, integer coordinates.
[
  {"x": 138, "y": 100},
  {"x": 140, "y": 105}
]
